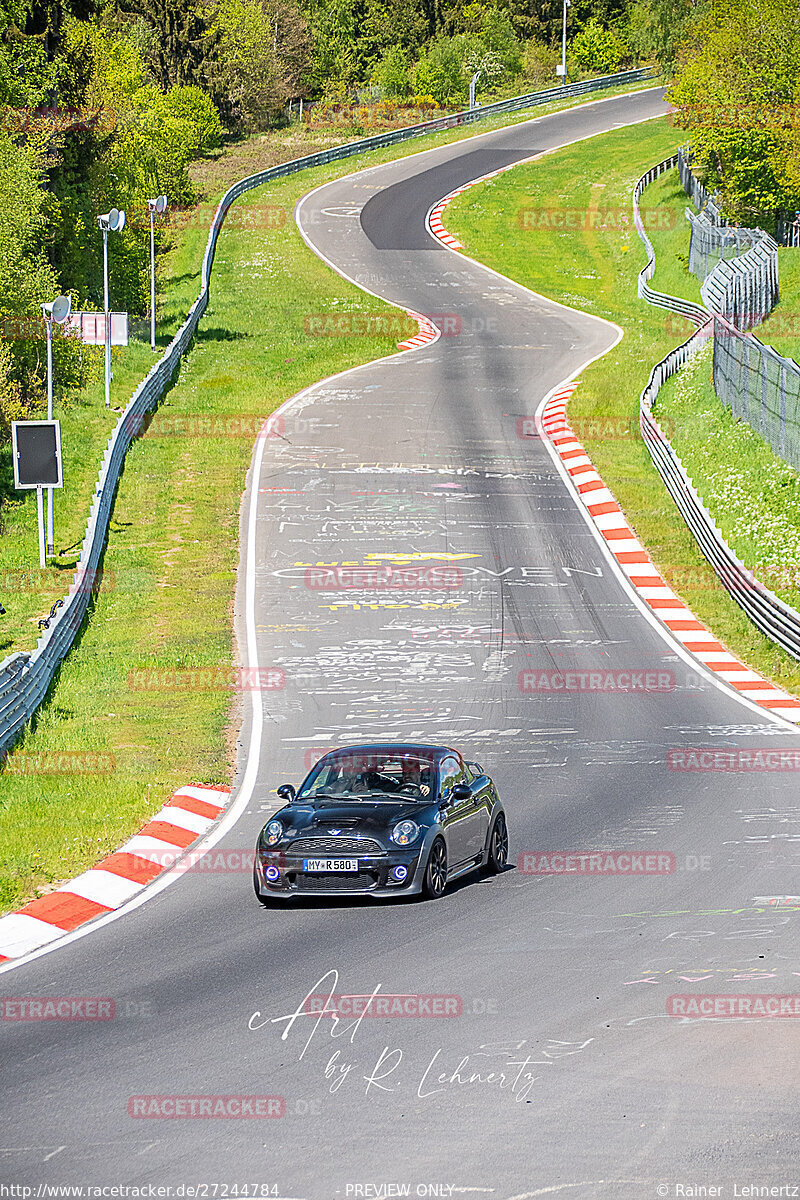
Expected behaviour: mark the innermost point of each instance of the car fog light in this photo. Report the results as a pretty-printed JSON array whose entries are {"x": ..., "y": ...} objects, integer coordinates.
[
  {"x": 399, "y": 873},
  {"x": 272, "y": 874}
]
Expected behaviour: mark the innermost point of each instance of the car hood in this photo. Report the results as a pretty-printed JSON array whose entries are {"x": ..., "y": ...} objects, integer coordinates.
[{"x": 364, "y": 817}]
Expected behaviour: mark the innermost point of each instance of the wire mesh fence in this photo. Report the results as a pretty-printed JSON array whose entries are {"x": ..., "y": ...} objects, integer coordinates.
[
  {"x": 738, "y": 266},
  {"x": 787, "y": 229},
  {"x": 700, "y": 196},
  {"x": 756, "y": 383},
  {"x": 760, "y": 387},
  {"x": 787, "y": 224},
  {"x": 710, "y": 244},
  {"x": 744, "y": 290}
]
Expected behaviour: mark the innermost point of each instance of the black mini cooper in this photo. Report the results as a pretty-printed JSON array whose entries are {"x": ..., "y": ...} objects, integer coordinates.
[{"x": 382, "y": 820}]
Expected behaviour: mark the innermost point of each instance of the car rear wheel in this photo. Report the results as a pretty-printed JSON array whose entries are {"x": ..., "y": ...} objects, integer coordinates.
[
  {"x": 498, "y": 847},
  {"x": 436, "y": 871}
]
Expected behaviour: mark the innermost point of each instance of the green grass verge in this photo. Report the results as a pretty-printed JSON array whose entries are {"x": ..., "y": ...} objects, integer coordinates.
[
  {"x": 166, "y": 599},
  {"x": 595, "y": 268}
]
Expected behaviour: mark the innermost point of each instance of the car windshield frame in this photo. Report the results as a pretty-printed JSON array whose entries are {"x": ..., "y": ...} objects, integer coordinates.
[{"x": 372, "y": 763}]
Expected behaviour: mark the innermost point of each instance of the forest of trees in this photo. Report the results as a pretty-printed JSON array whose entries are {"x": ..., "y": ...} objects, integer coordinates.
[{"x": 106, "y": 103}]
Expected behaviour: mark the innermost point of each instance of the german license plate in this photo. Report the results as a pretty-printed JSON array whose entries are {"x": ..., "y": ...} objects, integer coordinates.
[{"x": 330, "y": 864}]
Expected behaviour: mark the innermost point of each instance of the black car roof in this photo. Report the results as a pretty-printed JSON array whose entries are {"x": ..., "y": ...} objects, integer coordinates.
[{"x": 391, "y": 748}]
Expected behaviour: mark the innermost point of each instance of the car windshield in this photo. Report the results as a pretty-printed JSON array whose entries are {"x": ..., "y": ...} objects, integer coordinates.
[{"x": 377, "y": 775}]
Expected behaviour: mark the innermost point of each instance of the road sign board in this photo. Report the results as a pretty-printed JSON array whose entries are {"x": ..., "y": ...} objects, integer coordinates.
[
  {"x": 90, "y": 327},
  {"x": 36, "y": 449}
]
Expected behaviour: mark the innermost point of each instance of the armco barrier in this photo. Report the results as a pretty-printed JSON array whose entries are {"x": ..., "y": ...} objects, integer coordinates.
[
  {"x": 694, "y": 312},
  {"x": 778, "y": 620},
  {"x": 25, "y": 678}
]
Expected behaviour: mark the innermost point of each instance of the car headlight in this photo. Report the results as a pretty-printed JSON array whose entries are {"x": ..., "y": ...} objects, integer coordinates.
[
  {"x": 405, "y": 832},
  {"x": 273, "y": 833}
]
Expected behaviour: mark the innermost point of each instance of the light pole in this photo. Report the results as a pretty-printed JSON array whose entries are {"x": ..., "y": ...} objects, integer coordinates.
[
  {"x": 114, "y": 221},
  {"x": 57, "y": 310},
  {"x": 564, "y": 44},
  {"x": 472, "y": 85},
  {"x": 154, "y": 206}
]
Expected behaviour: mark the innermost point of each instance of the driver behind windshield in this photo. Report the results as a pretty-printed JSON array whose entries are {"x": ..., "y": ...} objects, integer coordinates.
[{"x": 405, "y": 775}]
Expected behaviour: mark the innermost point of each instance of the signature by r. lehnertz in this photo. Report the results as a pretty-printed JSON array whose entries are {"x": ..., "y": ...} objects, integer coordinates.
[{"x": 391, "y": 1070}]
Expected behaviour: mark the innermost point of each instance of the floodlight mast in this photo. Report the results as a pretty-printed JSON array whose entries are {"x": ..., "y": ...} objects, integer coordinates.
[
  {"x": 154, "y": 206},
  {"x": 114, "y": 221},
  {"x": 56, "y": 311}
]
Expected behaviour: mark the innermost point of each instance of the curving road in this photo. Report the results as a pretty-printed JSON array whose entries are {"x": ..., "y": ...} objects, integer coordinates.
[{"x": 563, "y": 1073}]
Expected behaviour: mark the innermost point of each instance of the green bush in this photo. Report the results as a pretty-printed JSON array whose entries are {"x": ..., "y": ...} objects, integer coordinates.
[
  {"x": 597, "y": 49},
  {"x": 392, "y": 74},
  {"x": 439, "y": 72},
  {"x": 539, "y": 63},
  {"x": 197, "y": 110}
]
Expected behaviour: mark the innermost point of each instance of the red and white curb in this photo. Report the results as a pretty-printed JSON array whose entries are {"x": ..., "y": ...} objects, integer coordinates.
[
  {"x": 435, "y": 219},
  {"x": 636, "y": 563},
  {"x": 188, "y": 814},
  {"x": 427, "y": 333}
]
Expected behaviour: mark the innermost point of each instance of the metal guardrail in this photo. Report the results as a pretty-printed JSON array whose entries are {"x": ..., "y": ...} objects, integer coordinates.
[
  {"x": 778, "y": 620},
  {"x": 25, "y": 678},
  {"x": 686, "y": 308}
]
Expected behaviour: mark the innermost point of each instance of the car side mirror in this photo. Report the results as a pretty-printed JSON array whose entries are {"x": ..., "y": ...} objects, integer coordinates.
[
  {"x": 461, "y": 792},
  {"x": 286, "y": 792}
]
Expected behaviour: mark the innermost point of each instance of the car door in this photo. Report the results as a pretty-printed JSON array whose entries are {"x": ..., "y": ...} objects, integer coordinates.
[
  {"x": 483, "y": 799},
  {"x": 459, "y": 815}
]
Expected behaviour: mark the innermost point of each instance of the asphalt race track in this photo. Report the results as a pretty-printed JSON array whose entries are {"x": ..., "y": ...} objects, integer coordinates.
[{"x": 561, "y": 1072}]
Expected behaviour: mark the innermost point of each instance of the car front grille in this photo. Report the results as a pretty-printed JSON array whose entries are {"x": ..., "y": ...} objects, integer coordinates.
[
  {"x": 339, "y": 846},
  {"x": 335, "y": 881}
]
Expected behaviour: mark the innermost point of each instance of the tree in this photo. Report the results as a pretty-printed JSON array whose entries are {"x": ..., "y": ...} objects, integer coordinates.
[
  {"x": 736, "y": 92},
  {"x": 384, "y": 25},
  {"x": 494, "y": 34},
  {"x": 333, "y": 25},
  {"x": 185, "y": 38},
  {"x": 655, "y": 29},
  {"x": 26, "y": 280},
  {"x": 263, "y": 51},
  {"x": 597, "y": 49},
  {"x": 439, "y": 72},
  {"x": 392, "y": 74},
  {"x": 27, "y": 77}
]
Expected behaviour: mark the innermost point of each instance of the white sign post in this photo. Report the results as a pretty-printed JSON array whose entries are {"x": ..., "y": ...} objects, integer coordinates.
[{"x": 57, "y": 310}]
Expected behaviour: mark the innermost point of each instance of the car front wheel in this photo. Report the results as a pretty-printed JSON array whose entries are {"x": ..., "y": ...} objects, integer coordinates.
[
  {"x": 436, "y": 871},
  {"x": 498, "y": 847}
]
